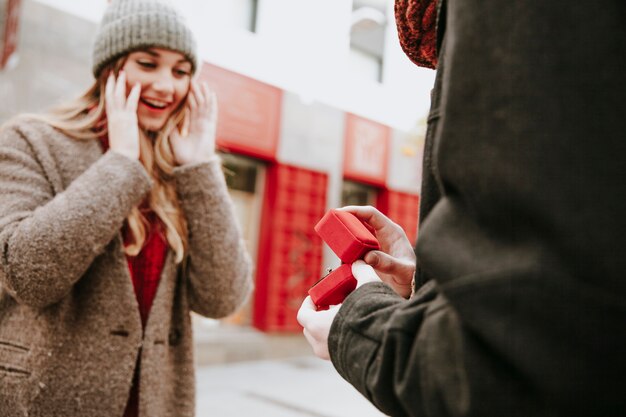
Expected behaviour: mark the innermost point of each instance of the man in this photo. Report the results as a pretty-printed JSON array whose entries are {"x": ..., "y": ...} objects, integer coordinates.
[{"x": 521, "y": 302}]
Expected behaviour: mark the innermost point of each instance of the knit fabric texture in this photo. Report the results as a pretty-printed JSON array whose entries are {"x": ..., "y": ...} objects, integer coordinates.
[
  {"x": 417, "y": 30},
  {"x": 129, "y": 25}
]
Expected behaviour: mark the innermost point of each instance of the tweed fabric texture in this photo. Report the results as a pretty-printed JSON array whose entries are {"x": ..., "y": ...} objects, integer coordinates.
[
  {"x": 129, "y": 25},
  {"x": 70, "y": 328}
]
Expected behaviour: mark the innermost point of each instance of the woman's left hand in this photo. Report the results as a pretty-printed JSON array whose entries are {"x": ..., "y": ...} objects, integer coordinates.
[
  {"x": 196, "y": 142},
  {"x": 316, "y": 324}
]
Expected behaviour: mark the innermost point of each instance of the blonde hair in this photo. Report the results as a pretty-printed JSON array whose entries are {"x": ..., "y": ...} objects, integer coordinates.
[{"x": 85, "y": 118}]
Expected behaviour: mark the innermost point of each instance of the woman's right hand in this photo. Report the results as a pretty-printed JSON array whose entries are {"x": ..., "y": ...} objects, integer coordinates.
[
  {"x": 121, "y": 112},
  {"x": 395, "y": 261}
]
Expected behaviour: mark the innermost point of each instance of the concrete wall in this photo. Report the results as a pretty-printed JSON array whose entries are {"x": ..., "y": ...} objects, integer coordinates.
[
  {"x": 54, "y": 56},
  {"x": 3, "y": 16}
]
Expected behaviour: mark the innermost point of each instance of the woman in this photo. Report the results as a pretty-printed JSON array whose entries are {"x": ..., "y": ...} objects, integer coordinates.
[{"x": 115, "y": 223}]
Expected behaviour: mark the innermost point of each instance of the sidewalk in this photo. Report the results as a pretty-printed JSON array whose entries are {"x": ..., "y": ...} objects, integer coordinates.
[
  {"x": 244, "y": 372},
  {"x": 227, "y": 344},
  {"x": 296, "y": 387}
]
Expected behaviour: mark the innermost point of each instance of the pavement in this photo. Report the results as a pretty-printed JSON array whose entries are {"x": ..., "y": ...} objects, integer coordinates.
[{"x": 245, "y": 372}]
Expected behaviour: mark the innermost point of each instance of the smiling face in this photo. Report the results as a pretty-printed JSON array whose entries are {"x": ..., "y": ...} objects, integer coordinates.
[{"x": 165, "y": 77}]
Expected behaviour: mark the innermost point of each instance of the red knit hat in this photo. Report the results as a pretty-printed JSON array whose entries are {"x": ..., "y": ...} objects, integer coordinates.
[{"x": 417, "y": 29}]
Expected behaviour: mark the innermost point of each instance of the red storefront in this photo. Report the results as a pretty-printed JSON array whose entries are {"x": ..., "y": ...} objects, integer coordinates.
[{"x": 366, "y": 159}]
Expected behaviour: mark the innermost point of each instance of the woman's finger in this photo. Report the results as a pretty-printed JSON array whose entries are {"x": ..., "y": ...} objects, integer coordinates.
[
  {"x": 213, "y": 108},
  {"x": 205, "y": 89},
  {"x": 108, "y": 92},
  {"x": 306, "y": 311},
  {"x": 120, "y": 89},
  {"x": 192, "y": 100},
  {"x": 133, "y": 98},
  {"x": 206, "y": 93},
  {"x": 184, "y": 129},
  {"x": 199, "y": 93}
]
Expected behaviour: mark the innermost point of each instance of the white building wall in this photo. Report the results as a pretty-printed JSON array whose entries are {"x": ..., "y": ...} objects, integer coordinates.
[
  {"x": 312, "y": 136},
  {"x": 301, "y": 46}
]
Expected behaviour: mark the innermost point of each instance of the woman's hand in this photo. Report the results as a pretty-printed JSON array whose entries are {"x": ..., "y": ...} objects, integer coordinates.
[
  {"x": 121, "y": 113},
  {"x": 395, "y": 261},
  {"x": 196, "y": 142},
  {"x": 316, "y": 326}
]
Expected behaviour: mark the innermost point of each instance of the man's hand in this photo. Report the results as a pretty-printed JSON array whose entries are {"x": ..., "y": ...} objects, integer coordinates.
[{"x": 395, "y": 261}]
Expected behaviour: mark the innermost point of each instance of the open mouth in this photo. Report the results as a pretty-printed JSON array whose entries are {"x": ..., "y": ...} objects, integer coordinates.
[{"x": 153, "y": 104}]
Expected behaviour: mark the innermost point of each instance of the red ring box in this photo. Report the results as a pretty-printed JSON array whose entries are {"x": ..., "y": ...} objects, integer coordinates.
[
  {"x": 333, "y": 288},
  {"x": 350, "y": 239},
  {"x": 346, "y": 235}
]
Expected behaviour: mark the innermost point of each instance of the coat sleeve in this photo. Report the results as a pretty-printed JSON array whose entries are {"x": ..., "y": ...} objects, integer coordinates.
[
  {"x": 372, "y": 344},
  {"x": 514, "y": 343},
  {"x": 49, "y": 240},
  {"x": 419, "y": 358},
  {"x": 218, "y": 268}
]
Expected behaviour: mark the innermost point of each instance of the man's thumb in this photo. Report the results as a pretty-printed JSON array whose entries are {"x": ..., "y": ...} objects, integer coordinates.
[
  {"x": 363, "y": 273},
  {"x": 387, "y": 264},
  {"x": 382, "y": 262}
]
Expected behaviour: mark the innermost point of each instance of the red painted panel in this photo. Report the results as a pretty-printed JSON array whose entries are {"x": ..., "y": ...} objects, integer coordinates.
[
  {"x": 12, "y": 17},
  {"x": 290, "y": 252},
  {"x": 402, "y": 208},
  {"x": 249, "y": 112},
  {"x": 366, "y": 150}
]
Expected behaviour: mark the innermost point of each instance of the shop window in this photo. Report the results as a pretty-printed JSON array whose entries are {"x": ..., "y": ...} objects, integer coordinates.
[
  {"x": 244, "y": 178},
  {"x": 358, "y": 194},
  {"x": 367, "y": 38},
  {"x": 240, "y": 173}
]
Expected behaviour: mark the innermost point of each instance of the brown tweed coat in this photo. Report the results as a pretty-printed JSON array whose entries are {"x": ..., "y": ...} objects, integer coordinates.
[{"x": 70, "y": 330}]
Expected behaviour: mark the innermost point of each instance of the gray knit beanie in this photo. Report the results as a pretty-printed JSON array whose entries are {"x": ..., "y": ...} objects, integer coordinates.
[{"x": 129, "y": 25}]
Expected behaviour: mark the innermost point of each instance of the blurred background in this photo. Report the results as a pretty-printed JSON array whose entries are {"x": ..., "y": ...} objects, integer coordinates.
[{"x": 318, "y": 108}]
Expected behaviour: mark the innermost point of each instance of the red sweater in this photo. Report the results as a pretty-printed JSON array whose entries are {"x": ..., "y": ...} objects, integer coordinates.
[{"x": 145, "y": 268}]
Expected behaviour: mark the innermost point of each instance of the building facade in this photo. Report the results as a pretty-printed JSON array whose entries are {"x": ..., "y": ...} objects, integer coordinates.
[{"x": 318, "y": 108}]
